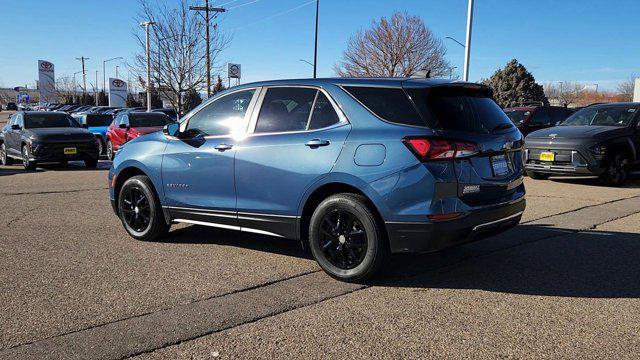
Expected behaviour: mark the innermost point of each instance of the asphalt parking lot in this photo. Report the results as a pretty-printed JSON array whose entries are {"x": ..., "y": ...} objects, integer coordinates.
[{"x": 565, "y": 283}]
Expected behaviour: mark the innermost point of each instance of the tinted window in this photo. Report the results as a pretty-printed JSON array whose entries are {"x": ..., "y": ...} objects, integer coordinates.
[
  {"x": 391, "y": 104},
  {"x": 223, "y": 116},
  {"x": 99, "y": 120},
  {"x": 602, "y": 116},
  {"x": 541, "y": 117},
  {"x": 517, "y": 116},
  {"x": 285, "y": 109},
  {"x": 53, "y": 120},
  {"x": 323, "y": 113},
  {"x": 468, "y": 110},
  {"x": 558, "y": 115},
  {"x": 148, "y": 119}
]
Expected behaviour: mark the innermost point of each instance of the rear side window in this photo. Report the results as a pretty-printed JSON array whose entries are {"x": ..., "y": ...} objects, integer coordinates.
[
  {"x": 390, "y": 104},
  {"x": 323, "y": 113},
  {"x": 285, "y": 109},
  {"x": 541, "y": 117},
  {"x": 148, "y": 119},
  {"x": 463, "y": 109}
]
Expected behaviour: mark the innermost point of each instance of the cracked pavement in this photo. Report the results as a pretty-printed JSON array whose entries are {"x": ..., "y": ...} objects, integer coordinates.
[{"x": 564, "y": 284}]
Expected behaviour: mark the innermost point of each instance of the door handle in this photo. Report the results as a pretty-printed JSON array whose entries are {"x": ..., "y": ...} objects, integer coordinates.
[
  {"x": 316, "y": 143},
  {"x": 223, "y": 147}
]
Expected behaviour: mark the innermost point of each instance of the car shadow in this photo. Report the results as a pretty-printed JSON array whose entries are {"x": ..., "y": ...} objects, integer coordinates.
[
  {"x": 527, "y": 260},
  {"x": 632, "y": 183},
  {"x": 4, "y": 171}
]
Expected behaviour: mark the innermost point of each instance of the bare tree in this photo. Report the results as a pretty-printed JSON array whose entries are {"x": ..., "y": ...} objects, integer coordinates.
[
  {"x": 177, "y": 49},
  {"x": 399, "y": 46},
  {"x": 564, "y": 93},
  {"x": 626, "y": 87}
]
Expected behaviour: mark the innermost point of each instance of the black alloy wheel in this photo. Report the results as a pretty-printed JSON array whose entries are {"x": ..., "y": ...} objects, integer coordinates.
[
  {"x": 617, "y": 170},
  {"x": 346, "y": 238},
  {"x": 342, "y": 239},
  {"x": 140, "y": 210}
]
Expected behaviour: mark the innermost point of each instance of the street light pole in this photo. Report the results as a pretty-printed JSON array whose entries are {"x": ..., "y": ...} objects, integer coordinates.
[
  {"x": 95, "y": 88},
  {"x": 467, "y": 48},
  {"x": 146, "y": 24},
  {"x": 117, "y": 72},
  {"x": 104, "y": 73},
  {"x": 315, "y": 48}
]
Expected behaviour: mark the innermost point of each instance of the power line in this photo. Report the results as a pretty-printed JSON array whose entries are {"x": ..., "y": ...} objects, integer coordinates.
[
  {"x": 241, "y": 5},
  {"x": 276, "y": 15}
]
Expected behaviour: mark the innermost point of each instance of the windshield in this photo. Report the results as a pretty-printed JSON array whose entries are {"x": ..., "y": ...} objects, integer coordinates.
[
  {"x": 149, "y": 119},
  {"x": 53, "y": 120},
  {"x": 99, "y": 120},
  {"x": 517, "y": 116},
  {"x": 602, "y": 116}
]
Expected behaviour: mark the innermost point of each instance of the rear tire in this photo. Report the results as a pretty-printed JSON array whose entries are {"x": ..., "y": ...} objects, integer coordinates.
[
  {"x": 4, "y": 158},
  {"x": 140, "y": 210},
  {"x": 538, "y": 176},
  {"x": 109, "y": 150},
  {"x": 346, "y": 239},
  {"x": 26, "y": 163},
  {"x": 617, "y": 171}
]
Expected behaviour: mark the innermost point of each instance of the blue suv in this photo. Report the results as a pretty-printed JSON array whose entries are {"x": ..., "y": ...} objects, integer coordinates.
[
  {"x": 98, "y": 125},
  {"x": 354, "y": 168}
]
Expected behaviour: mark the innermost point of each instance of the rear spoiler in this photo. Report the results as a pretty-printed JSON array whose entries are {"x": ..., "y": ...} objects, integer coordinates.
[{"x": 480, "y": 88}]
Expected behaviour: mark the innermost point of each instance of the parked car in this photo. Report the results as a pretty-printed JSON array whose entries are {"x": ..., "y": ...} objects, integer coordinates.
[
  {"x": 532, "y": 118},
  {"x": 169, "y": 112},
  {"x": 599, "y": 140},
  {"x": 359, "y": 167},
  {"x": 128, "y": 126},
  {"x": 12, "y": 106},
  {"x": 45, "y": 136},
  {"x": 98, "y": 124}
]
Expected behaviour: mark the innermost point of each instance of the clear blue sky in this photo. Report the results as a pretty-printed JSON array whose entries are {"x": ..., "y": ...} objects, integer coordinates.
[{"x": 591, "y": 41}]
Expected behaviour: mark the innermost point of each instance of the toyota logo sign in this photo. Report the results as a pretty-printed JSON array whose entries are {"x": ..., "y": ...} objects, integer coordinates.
[
  {"x": 46, "y": 66},
  {"x": 118, "y": 83}
]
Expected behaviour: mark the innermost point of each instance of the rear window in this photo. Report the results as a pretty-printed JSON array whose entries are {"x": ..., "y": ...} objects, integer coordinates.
[
  {"x": 149, "y": 119},
  {"x": 99, "y": 120},
  {"x": 390, "y": 104},
  {"x": 462, "y": 109}
]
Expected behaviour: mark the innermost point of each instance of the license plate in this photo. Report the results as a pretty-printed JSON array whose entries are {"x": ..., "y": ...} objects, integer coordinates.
[
  {"x": 547, "y": 156},
  {"x": 70, "y": 151},
  {"x": 499, "y": 165}
]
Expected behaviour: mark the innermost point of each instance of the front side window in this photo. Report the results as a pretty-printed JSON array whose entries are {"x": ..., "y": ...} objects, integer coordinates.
[
  {"x": 517, "y": 116},
  {"x": 602, "y": 116},
  {"x": 285, "y": 109},
  {"x": 224, "y": 116}
]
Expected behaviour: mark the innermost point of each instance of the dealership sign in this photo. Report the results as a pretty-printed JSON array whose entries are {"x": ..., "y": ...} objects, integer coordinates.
[
  {"x": 117, "y": 92},
  {"x": 46, "y": 82},
  {"x": 234, "y": 71}
]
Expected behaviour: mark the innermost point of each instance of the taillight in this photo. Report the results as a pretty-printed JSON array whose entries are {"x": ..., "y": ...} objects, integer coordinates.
[{"x": 440, "y": 149}]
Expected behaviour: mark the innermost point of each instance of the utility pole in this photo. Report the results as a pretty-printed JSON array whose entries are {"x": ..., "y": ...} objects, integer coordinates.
[
  {"x": 95, "y": 88},
  {"x": 315, "y": 48},
  {"x": 146, "y": 24},
  {"x": 467, "y": 50},
  {"x": 206, "y": 10},
  {"x": 84, "y": 77}
]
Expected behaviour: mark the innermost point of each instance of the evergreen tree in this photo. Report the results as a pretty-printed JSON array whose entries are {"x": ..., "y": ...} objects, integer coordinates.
[
  {"x": 514, "y": 85},
  {"x": 103, "y": 100},
  {"x": 219, "y": 86},
  {"x": 191, "y": 100},
  {"x": 132, "y": 101}
]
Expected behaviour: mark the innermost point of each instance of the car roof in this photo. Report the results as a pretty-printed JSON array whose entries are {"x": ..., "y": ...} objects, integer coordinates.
[
  {"x": 616, "y": 104},
  {"x": 374, "y": 81}
]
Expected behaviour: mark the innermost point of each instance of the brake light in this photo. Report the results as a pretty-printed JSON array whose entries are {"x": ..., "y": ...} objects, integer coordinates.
[{"x": 440, "y": 149}]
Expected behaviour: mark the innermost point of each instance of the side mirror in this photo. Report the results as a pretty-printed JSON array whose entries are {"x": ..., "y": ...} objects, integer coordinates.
[
  {"x": 15, "y": 127},
  {"x": 123, "y": 126},
  {"x": 172, "y": 129}
]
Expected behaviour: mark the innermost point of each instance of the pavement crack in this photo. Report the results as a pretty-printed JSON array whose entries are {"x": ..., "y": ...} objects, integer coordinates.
[{"x": 580, "y": 208}]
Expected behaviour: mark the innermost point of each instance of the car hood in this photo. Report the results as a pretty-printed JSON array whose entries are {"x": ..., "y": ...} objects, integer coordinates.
[
  {"x": 59, "y": 134},
  {"x": 579, "y": 132}
]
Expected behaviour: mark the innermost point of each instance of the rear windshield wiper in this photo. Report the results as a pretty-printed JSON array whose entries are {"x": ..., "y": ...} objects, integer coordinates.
[{"x": 502, "y": 126}]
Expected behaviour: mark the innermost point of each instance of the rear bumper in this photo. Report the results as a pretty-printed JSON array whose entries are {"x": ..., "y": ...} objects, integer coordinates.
[{"x": 413, "y": 237}]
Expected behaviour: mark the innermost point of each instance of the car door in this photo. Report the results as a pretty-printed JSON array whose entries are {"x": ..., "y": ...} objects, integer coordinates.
[
  {"x": 15, "y": 136},
  {"x": 198, "y": 167},
  {"x": 289, "y": 147}
]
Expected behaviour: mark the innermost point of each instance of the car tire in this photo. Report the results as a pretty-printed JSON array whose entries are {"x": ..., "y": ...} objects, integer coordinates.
[
  {"x": 617, "y": 171},
  {"x": 91, "y": 163},
  {"x": 4, "y": 158},
  {"x": 140, "y": 210},
  {"x": 101, "y": 147},
  {"x": 538, "y": 176},
  {"x": 26, "y": 163},
  {"x": 346, "y": 239},
  {"x": 109, "y": 150}
]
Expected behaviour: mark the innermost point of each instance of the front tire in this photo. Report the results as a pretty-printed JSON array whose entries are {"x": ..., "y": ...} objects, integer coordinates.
[
  {"x": 346, "y": 239},
  {"x": 26, "y": 162},
  {"x": 4, "y": 158},
  {"x": 617, "y": 171},
  {"x": 538, "y": 176},
  {"x": 139, "y": 209}
]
